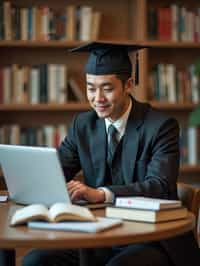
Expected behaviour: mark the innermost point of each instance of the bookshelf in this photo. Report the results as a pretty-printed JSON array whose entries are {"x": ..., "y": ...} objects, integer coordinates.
[
  {"x": 170, "y": 45},
  {"x": 33, "y": 52},
  {"x": 132, "y": 26}
]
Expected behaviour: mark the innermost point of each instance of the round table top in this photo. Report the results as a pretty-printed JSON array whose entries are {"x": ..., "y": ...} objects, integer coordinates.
[{"x": 128, "y": 232}]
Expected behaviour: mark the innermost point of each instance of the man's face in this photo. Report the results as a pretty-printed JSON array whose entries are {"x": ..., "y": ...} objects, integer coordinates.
[{"x": 107, "y": 95}]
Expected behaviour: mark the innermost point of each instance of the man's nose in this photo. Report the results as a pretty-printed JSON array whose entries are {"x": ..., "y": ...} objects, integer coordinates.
[{"x": 99, "y": 95}]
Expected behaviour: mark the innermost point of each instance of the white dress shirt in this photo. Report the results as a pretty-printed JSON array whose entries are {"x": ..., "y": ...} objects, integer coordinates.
[{"x": 120, "y": 125}]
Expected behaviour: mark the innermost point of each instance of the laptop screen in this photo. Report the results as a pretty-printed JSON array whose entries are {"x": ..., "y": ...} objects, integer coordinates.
[{"x": 33, "y": 174}]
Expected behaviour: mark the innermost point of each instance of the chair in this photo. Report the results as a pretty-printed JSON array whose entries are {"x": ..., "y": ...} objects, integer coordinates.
[{"x": 190, "y": 197}]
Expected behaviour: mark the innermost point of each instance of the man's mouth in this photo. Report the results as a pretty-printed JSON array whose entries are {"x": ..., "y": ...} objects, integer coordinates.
[{"x": 101, "y": 107}]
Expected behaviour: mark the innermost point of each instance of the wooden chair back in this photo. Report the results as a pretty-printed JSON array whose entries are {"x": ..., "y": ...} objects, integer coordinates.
[{"x": 190, "y": 197}]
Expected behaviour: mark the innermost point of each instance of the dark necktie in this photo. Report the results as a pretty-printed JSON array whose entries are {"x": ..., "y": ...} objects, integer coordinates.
[{"x": 112, "y": 142}]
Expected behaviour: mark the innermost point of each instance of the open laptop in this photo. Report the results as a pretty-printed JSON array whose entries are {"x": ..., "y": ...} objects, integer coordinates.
[{"x": 33, "y": 174}]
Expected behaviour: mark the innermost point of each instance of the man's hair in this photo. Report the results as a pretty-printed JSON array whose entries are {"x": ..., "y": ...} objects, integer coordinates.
[{"x": 123, "y": 77}]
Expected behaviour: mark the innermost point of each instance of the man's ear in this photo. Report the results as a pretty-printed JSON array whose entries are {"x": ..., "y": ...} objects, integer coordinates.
[{"x": 129, "y": 85}]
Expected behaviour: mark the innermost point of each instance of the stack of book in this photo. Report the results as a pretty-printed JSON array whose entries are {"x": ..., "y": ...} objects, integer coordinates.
[{"x": 146, "y": 209}]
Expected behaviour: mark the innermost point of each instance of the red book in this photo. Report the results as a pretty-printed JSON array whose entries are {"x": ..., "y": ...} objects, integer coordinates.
[{"x": 164, "y": 23}]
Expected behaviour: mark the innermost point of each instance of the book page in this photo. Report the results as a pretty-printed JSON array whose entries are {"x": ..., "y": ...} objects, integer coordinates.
[
  {"x": 30, "y": 213},
  {"x": 63, "y": 211}
]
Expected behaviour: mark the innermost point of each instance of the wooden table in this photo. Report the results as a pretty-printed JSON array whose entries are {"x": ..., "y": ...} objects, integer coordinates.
[{"x": 129, "y": 232}]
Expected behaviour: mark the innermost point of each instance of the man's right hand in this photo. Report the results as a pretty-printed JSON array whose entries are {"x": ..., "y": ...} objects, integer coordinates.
[{"x": 80, "y": 191}]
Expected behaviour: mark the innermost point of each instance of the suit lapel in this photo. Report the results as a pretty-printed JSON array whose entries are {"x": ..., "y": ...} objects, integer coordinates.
[
  {"x": 131, "y": 140},
  {"x": 98, "y": 147}
]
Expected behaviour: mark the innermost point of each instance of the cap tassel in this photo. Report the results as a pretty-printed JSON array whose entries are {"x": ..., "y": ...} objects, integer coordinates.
[{"x": 137, "y": 68}]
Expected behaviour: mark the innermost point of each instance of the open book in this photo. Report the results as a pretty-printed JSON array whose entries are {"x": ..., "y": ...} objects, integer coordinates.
[{"x": 56, "y": 213}]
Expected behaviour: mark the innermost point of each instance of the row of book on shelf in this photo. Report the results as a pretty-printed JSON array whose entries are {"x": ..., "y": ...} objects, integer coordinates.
[
  {"x": 69, "y": 217},
  {"x": 49, "y": 135},
  {"x": 44, "y": 83},
  {"x": 174, "y": 23},
  {"x": 44, "y": 23},
  {"x": 169, "y": 84}
]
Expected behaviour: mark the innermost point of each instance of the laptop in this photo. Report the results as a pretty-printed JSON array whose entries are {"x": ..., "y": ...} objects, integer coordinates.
[{"x": 33, "y": 174}]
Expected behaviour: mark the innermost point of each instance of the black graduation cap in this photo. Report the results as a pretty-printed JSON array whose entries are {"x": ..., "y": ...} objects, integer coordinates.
[{"x": 110, "y": 58}]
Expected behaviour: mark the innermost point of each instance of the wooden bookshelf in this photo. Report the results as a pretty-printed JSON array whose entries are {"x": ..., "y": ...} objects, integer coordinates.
[
  {"x": 187, "y": 169},
  {"x": 71, "y": 106},
  {"x": 187, "y": 107},
  {"x": 181, "y": 53},
  {"x": 172, "y": 44},
  {"x": 33, "y": 44}
]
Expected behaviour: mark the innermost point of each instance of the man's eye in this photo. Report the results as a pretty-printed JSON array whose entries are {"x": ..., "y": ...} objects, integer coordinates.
[
  {"x": 109, "y": 89},
  {"x": 91, "y": 89}
]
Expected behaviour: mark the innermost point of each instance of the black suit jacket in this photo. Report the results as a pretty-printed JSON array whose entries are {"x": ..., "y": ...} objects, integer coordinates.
[
  {"x": 150, "y": 156},
  {"x": 150, "y": 153}
]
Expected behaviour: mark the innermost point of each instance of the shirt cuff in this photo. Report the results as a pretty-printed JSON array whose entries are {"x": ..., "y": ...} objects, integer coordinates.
[{"x": 109, "y": 195}]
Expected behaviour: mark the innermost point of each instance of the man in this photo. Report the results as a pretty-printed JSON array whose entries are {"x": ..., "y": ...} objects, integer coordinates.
[{"x": 125, "y": 148}]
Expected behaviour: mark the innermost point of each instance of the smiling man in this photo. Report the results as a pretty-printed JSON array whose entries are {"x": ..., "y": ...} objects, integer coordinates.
[{"x": 125, "y": 148}]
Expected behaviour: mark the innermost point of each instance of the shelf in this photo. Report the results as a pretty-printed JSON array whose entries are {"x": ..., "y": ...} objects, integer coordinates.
[
  {"x": 190, "y": 169},
  {"x": 73, "y": 106},
  {"x": 171, "y": 44},
  {"x": 174, "y": 106},
  {"x": 60, "y": 43},
  {"x": 35, "y": 44}
]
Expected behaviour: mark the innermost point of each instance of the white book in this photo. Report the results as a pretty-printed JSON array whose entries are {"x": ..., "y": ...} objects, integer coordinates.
[
  {"x": 71, "y": 22},
  {"x": 85, "y": 23},
  {"x": 89, "y": 227},
  {"x": 14, "y": 135},
  {"x": 194, "y": 84},
  {"x": 24, "y": 24},
  {"x": 147, "y": 203},
  {"x": 151, "y": 216},
  {"x": 174, "y": 14},
  {"x": 7, "y": 20},
  {"x": 52, "y": 84},
  {"x": 62, "y": 83},
  {"x": 192, "y": 146},
  {"x": 49, "y": 135},
  {"x": 95, "y": 28},
  {"x": 45, "y": 18},
  {"x": 19, "y": 85},
  {"x": 34, "y": 85},
  {"x": 171, "y": 82}
]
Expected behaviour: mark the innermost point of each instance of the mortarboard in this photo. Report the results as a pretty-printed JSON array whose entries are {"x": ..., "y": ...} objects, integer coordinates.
[{"x": 110, "y": 58}]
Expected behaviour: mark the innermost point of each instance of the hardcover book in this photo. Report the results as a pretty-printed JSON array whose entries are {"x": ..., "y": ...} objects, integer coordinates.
[
  {"x": 147, "y": 203},
  {"x": 151, "y": 216}
]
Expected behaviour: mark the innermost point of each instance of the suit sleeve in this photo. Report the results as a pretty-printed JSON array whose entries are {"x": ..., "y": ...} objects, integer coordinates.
[
  {"x": 68, "y": 153},
  {"x": 162, "y": 167}
]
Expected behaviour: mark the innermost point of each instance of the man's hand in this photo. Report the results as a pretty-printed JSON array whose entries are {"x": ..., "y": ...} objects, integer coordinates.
[{"x": 79, "y": 191}]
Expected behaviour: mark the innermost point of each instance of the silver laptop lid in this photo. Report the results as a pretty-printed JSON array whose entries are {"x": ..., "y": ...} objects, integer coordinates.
[{"x": 33, "y": 174}]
